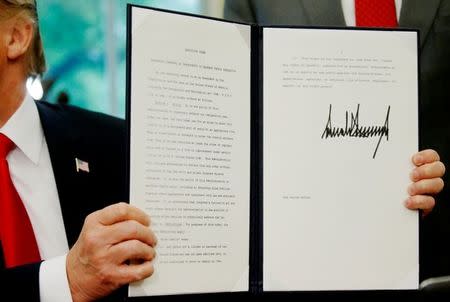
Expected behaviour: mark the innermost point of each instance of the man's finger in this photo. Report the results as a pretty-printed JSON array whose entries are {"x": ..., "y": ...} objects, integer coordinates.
[
  {"x": 121, "y": 212},
  {"x": 425, "y": 157},
  {"x": 420, "y": 202},
  {"x": 426, "y": 186},
  {"x": 135, "y": 272},
  {"x": 130, "y": 230},
  {"x": 132, "y": 250},
  {"x": 427, "y": 171}
]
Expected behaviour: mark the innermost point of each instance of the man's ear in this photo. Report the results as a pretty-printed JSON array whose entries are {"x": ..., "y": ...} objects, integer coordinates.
[{"x": 19, "y": 38}]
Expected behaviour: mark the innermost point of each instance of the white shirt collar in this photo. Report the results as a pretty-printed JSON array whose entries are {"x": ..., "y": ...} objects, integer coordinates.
[{"x": 25, "y": 130}]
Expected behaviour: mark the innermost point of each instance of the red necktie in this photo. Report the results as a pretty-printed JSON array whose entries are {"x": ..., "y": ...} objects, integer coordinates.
[
  {"x": 376, "y": 13},
  {"x": 16, "y": 233}
]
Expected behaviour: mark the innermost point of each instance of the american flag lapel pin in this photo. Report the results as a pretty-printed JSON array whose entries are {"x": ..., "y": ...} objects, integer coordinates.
[{"x": 81, "y": 165}]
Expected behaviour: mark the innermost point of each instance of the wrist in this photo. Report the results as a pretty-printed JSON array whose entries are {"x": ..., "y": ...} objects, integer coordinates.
[{"x": 76, "y": 289}]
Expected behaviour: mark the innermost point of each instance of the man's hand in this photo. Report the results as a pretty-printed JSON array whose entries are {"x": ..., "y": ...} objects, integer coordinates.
[
  {"x": 115, "y": 248},
  {"x": 427, "y": 181}
]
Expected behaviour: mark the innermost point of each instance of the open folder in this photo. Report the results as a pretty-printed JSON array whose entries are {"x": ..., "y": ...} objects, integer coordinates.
[{"x": 272, "y": 158}]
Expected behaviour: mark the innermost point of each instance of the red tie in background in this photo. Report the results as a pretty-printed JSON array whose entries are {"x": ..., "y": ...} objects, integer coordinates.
[
  {"x": 376, "y": 13},
  {"x": 16, "y": 233}
]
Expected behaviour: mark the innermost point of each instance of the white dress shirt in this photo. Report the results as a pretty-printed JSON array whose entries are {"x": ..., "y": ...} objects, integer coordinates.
[
  {"x": 348, "y": 8},
  {"x": 32, "y": 175}
]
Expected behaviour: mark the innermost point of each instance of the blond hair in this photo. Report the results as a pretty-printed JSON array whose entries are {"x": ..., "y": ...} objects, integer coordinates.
[{"x": 35, "y": 54}]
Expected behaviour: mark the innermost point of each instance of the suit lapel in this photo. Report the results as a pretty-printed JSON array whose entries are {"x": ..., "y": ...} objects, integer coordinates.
[
  {"x": 62, "y": 141},
  {"x": 419, "y": 14},
  {"x": 324, "y": 12}
]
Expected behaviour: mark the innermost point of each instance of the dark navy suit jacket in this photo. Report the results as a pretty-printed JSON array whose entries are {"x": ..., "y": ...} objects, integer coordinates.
[{"x": 95, "y": 138}]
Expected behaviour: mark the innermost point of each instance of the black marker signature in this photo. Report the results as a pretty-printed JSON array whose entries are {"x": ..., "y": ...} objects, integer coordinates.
[{"x": 355, "y": 130}]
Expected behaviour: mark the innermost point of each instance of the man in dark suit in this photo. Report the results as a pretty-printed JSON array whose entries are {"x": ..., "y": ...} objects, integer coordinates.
[
  {"x": 432, "y": 17},
  {"x": 60, "y": 168},
  {"x": 59, "y": 165}
]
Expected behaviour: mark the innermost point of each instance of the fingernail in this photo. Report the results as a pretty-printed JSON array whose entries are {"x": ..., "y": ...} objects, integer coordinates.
[
  {"x": 418, "y": 159},
  {"x": 414, "y": 175},
  {"x": 407, "y": 203},
  {"x": 411, "y": 190}
]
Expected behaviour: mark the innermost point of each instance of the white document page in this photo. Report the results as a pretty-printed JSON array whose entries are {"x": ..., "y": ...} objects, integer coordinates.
[
  {"x": 190, "y": 149},
  {"x": 340, "y": 128}
]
